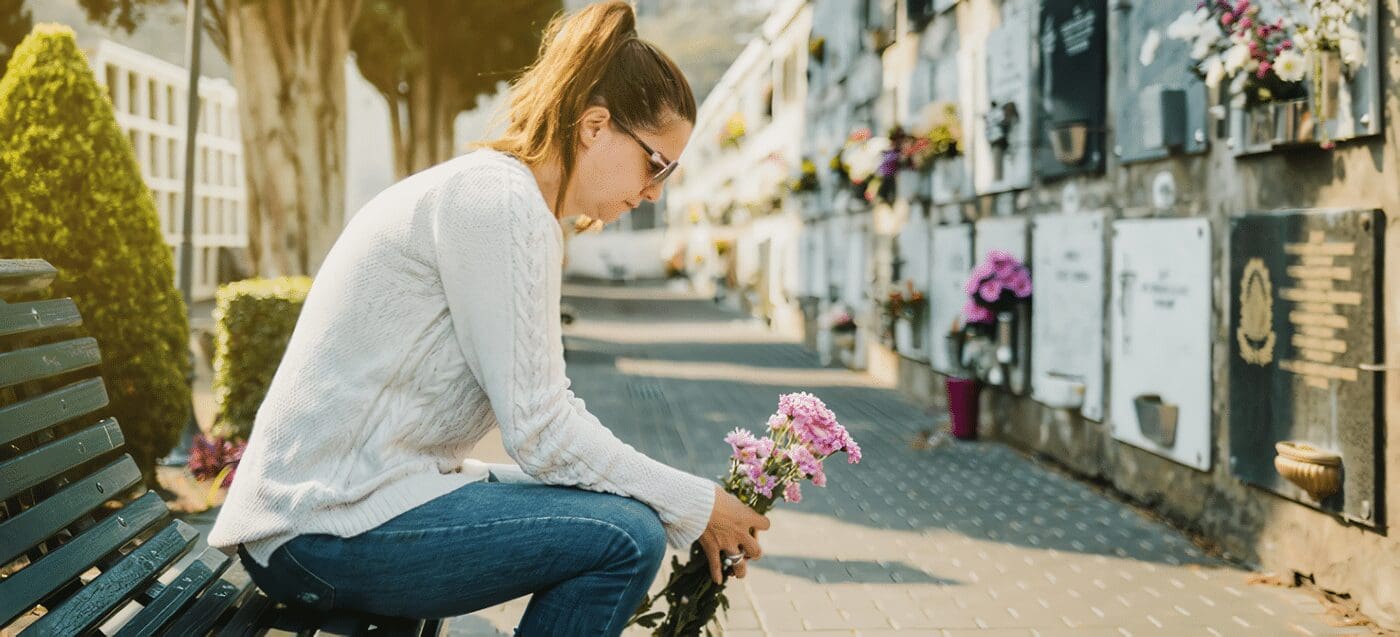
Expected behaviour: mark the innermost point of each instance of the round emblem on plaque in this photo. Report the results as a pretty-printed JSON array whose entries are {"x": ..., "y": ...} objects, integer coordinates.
[{"x": 1255, "y": 334}]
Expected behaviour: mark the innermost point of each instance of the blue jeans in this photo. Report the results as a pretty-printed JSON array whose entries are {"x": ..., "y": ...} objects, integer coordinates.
[{"x": 588, "y": 559}]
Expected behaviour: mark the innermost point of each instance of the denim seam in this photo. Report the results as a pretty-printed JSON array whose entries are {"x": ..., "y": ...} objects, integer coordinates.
[{"x": 286, "y": 550}]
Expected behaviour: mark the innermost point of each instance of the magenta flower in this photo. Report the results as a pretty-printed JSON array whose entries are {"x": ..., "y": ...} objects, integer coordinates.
[
  {"x": 975, "y": 313},
  {"x": 819, "y": 479},
  {"x": 792, "y": 493},
  {"x": 990, "y": 290}
]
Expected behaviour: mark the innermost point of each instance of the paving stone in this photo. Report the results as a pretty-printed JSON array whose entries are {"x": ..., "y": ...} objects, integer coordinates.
[{"x": 965, "y": 539}]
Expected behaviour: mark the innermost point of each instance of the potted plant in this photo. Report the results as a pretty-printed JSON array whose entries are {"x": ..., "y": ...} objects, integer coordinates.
[{"x": 842, "y": 325}]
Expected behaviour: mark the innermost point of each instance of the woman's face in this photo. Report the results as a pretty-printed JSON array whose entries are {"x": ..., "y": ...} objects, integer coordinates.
[{"x": 613, "y": 173}]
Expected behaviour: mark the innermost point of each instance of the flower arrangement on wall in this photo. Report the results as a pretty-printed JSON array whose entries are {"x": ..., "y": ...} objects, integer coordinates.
[
  {"x": 1230, "y": 42},
  {"x": 937, "y": 135},
  {"x": 869, "y": 163}
]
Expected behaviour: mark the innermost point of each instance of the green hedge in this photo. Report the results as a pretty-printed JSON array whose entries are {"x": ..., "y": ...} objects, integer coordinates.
[
  {"x": 71, "y": 193},
  {"x": 254, "y": 322}
]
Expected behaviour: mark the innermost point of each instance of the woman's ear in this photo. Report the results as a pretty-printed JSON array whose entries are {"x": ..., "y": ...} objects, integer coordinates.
[{"x": 591, "y": 125}]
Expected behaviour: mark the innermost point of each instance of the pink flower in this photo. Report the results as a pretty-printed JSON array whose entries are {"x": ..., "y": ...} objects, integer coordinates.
[
  {"x": 807, "y": 463},
  {"x": 1245, "y": 23},
  {"x": 740, "y": 439},
  {"x": 1226, "y": 19},
  {"x": 990, "y": 290},
  {"x": 1263, "y": 71},
  {"x": 776, "y": 422},
  {"x": 852, "y": 452},
  {"x": 764, "y": 447},
  {"x": 792, "y": 493},
  {"x": 819, "y": 479},
  {"x": 764, "y": 484},
  {"x": 975, "y": 313}
]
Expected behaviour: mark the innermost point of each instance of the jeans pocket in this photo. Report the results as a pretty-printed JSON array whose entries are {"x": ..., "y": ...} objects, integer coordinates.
[{"x": 286, "y": 579}]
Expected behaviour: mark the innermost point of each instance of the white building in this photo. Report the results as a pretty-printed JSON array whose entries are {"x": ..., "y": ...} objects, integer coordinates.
[
  {"x": 148, "y": 95},
  {"x": 733, "y": 190}
]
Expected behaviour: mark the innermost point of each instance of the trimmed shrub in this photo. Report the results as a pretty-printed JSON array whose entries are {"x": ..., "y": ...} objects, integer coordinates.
[
  {"x": 71, "y": 193},
  {"x": 254, "y": 321}
]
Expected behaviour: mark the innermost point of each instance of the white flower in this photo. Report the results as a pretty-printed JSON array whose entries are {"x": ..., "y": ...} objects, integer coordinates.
[
  {"x": 864, "y": 158},
  {"x": 1149, "y": 47},
  {"x": 1235, "y": 58},
  {"x": 1289, "y": 66},
  {"x": 1185, "y": 27},
  {"x": 1237, "y": 84},
  {"x": 1202, "y": 47},
  {"x": 1352, "y": 51},
  {"x": 1214, "y": 71}
]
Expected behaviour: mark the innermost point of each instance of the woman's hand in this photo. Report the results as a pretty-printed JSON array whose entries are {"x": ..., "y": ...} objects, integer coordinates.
[{"x": 733, "y": 528}]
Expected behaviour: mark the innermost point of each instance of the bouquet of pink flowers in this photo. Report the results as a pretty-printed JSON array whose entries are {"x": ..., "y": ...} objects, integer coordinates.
[
  {"x": 995, "y": 285},
  {"x": 800, "y": 437}
]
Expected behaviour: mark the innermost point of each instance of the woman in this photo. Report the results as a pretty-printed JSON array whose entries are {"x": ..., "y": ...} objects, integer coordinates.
[{"x": 434, "y": 318}]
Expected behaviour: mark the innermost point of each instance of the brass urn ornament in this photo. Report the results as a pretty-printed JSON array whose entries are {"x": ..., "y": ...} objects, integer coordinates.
[{"x": 1317, "y": 471}]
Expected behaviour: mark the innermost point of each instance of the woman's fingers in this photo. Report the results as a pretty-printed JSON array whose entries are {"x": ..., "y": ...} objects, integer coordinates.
[{"x": 711, "y": 548}]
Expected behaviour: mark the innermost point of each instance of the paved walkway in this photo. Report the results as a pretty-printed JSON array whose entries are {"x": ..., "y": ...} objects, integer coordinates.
[{"x": 965, "y": 539}]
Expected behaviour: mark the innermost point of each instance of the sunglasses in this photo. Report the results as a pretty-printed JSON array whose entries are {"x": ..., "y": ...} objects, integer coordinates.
[{"x": 663, "y": 167}]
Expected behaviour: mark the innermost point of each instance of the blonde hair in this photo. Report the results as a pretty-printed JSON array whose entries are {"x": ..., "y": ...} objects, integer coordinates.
[{"x": 592, "y": 58}]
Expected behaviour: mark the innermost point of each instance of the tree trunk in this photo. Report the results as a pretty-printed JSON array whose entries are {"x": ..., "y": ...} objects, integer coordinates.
[
  {"x": 424, "y": 133},
  {"x": 288, "y": 59}
]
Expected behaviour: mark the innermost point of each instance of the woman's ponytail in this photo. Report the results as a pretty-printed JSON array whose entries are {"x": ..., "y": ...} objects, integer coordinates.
[{"x": 593, "y": 57}]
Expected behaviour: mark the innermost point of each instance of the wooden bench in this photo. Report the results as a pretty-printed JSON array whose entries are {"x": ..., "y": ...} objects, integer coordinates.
[{"x": 82, "y": 544}]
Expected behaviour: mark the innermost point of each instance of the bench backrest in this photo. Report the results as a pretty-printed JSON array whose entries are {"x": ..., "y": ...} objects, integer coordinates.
[{"x": 71, "y": 501}]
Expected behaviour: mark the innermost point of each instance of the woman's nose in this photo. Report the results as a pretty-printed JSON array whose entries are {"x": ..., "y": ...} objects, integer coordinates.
[{"x": 652, "y": 192}]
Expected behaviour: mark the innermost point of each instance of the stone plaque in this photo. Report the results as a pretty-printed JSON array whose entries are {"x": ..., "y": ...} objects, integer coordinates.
[
  {"x": 1067, "y": 325},
  {"x": 951, "y": 262},
  {"x": 1073, "y": 62},
  {"x": 1150, "y": 63},
  {"x": 1305, "y": 301},
  {"x": 1002, "y": 233},
  {"x": 1003, "y": 116},
  {"x": 1161, "y": 338}
]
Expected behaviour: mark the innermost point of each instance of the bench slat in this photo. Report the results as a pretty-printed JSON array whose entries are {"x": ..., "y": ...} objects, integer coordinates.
[
  {"x": 25, "y": 275},
  {"x": 206, "y": 611},
  {"x": 30, "y": 585},
  {"x": 44, "y": 361},
  {"x": 116, "y": 586},
  {"x": 46, "y": 410},
  {"x": 250, "y": 619},
  {"x": 39, "y": 522},
  {"x": 36, "y": 316},
  {"x": 209, "y": 565},
  {"x": 40, "y": 464}
]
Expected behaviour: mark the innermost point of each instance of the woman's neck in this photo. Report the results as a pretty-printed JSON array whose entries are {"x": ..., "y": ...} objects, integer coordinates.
[{"x": 549, "y": 177}]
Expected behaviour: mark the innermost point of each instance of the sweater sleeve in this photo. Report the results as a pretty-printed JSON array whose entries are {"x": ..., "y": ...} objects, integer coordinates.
[{"x": 498, "y": 263}]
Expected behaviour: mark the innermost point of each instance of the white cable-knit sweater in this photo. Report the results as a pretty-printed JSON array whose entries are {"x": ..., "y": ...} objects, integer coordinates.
[{"x": 434, "y": 318}]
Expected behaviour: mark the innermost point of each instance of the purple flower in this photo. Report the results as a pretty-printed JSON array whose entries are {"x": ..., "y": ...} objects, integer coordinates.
[
  {"x": 975, "y": 313},
  {"x": 792, "y": 493},
  {"x": 764, "y": 447},
  {"x": 889, "y": 163},
  {"x": 776, "y": 422},
  {"x": 852, "y": 451},
  {"x": 1020, "y": 286},
  {"x": 990, "y": 290},
  {"x": 819, "y": 479},
  {"x": 980, "y": 273}
]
